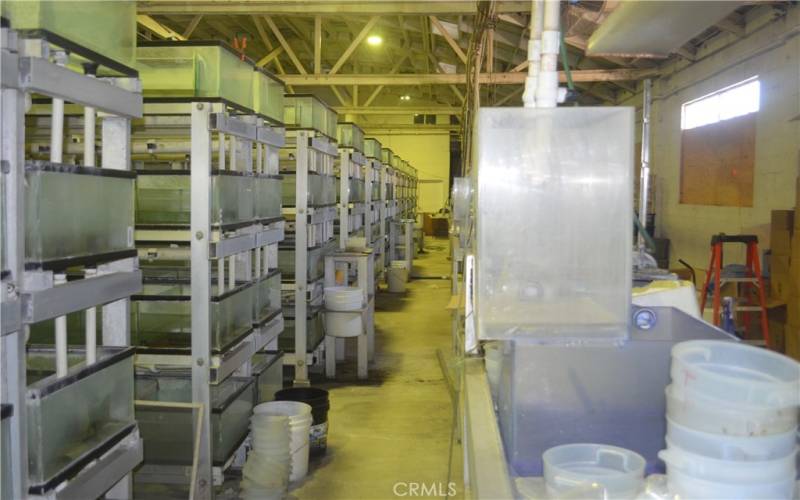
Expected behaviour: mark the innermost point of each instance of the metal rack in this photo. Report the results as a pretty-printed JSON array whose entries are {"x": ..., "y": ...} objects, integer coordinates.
[
  {"x": 375, "y": 189},
  {"x": 310, "y": 189},
  {"x": 35, "y": 285},
  {"x": 209, "y": 223}
]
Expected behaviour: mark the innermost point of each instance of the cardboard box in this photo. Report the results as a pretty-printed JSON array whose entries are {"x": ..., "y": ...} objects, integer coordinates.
[
  {"x": 781, "y": 232},
  {"x": 780, "y": 277},
  {"x": 792, "y": 335},
  {"x": 793, "y": 310}
]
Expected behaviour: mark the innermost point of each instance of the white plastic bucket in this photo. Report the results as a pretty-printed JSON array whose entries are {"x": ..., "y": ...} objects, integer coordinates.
[
  {"x": 733, "y": 471},
  {"x": 397, "y": 276},
  {"x": 343, "y": 324},
  {"x": 684, "y": 485},
  {"x": 299, "y": 427},
  {"x": 736, "y": 372},
  {"x": 266, "y": 472},
  {"x": 702, "y": 413},
  {"x": 572, "y": 468},
  {"x": 741, "y": 448},
  {"x": 343, "y": 298}
]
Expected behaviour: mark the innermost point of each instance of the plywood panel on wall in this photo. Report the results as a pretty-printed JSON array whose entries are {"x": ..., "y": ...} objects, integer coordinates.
[{"x": 717, "y": 163}]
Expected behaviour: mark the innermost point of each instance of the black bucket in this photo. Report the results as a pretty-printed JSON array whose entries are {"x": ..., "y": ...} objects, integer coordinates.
[{"x": 318, "y": 400}]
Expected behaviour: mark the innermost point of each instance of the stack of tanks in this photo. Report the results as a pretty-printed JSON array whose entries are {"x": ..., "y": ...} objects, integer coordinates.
[
  {"x": 69, "y": 264},
  {"x": 307, "y": 165},
  {"x": 208, "y": 225}
]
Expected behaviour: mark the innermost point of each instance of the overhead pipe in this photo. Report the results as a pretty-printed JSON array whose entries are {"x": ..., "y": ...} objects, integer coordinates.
[
  {"x": 534, "y": 53},
  {"x": 644, "y": 175},
  {"x": 547, "y": 92}
]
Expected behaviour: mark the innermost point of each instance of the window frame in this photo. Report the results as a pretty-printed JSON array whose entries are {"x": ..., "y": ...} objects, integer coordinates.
[{"x": 718, "y": 94}]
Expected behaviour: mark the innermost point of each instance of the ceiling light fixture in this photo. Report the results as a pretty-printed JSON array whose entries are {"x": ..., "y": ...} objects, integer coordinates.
[
  {"x": 374, "y": 40},
  {"x": 405, "y": 97}
]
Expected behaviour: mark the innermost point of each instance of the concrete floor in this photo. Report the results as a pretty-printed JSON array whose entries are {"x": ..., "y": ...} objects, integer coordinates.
[{"x": 395, "y": 429}]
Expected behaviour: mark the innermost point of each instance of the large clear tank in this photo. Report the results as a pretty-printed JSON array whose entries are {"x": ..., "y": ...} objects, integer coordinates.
[{"x": 554, "y": 216}]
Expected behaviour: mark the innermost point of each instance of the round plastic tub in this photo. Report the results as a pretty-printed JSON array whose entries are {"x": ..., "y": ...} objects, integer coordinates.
[
  {"x": 736, "y": 373},
  {"x": 343, "y": 324},
  {"x": 732, "y": 471},
  {"x": 572, "y": 468},
  {"x": 703, "y": 413},
  {"x": 684, "y": 485},
  {"x": 740, "y": 448},
  {"x": 299, "y": 427},
  {"x": 343, "y": 298}
]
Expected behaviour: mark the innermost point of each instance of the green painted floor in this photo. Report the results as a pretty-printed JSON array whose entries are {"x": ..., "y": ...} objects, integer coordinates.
[{"x": 394, "y": 431}]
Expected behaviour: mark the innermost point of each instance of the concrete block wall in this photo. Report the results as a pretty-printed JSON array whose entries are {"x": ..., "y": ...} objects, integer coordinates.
[{"x": 771, "y": 50}]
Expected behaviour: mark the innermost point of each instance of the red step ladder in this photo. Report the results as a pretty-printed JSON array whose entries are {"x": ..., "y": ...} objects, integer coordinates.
[{"x": 752, "y": 280}]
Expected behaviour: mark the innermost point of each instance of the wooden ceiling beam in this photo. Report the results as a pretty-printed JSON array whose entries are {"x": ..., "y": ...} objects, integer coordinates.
[
  {"x": 275, "y": 31},
  {"x": 585, "y": 75},
  {"x": 449, "y": 39},
  {"x": 192, "y": 26},
  {"x": 354, "y": 44}
]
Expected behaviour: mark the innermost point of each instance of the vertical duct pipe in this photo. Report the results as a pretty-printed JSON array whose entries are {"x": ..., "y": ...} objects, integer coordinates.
[
  {"x": 547, "y": 84},
  {"x": 57, "y": 156},
  {"x": 62, "y": 364},
  {"x": 644, "y": 178},
  {"x": 91, "y": 327},
  {"x": 534, "y": 53}
]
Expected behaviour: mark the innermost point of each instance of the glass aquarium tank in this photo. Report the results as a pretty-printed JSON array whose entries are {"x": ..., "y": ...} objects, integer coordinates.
[
  {"x": 70, "y": 418},
  {"x": 168, "y": 433},
  {"x": 195, "y": 69},
  {"x": 268, "y": 374},
  {"x": 268, "y": 91},
  {"x": 350, "y": 135},
  {"x": 567, "y": 172},
  {"x": 161, "y": 316},
  {"x": 63, "y": 221},
  {"x": 314, "y": 325},
  {"x": 163, "y": 197}
]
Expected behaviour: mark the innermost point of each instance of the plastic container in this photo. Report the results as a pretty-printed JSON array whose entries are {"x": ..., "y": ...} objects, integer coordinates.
[
  {"x": 571, "y": 468},
  {"x": 736, "y": 373},
  {"x": 738, "y": 448},
  {"x": 397, "y": 276},
  {"x": 343, "y": 324},
  {"x": 320, "y": 404},
  {"x": 266, "y": 472},
  {"x": 702, "y": 413},
  {"x": 733, "y": 471},
  {"x": 300, "y": 420},
  {"x": 684, "y": 485},
  {"x": 343, "y": 298}
]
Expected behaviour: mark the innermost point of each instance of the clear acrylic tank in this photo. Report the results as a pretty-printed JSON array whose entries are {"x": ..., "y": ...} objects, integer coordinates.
[
  {"x": 62, "y": 216},
  {"x": 70, "y": 417},
  {"x": 168, "y": 433},
  {"x": 350, "y": 135},
  {"x": 268, "y": 93},
  {"x": 163, "y": 197},
  {"x": 372, "y": 148},
  {"x": 268, "y": 296},
  {"x": 161, "y": 316},
  {"x": 268, "y": 196},
  {"x": 108, "y": 28},
  {"x": 195, "y": 69},
  {"x": 553, "y": 222},
  {"x": 314, "y": 326},
  {"x": 268, "y": 374}
]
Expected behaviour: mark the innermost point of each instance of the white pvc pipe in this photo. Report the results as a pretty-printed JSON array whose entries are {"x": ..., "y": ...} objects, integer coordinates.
[
  {"x": 644, "y": 180},
  {"x": 534, "y": 54},
  {"x": 221, "y": 151},
  {"x": 231, "y": 272},
  {"x": 57, "y": 120},
  {"x": 57, "y": 131},
  {"x": 547, "y": 85},
  {"x": 91, "y": 327},
  {"x": 62, "y": 364},
  {"x": 89, "y": 136},
  {"x": 221, "y": 276}
]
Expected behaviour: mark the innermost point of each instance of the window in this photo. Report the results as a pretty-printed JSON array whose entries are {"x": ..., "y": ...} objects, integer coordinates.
[
  {"x": 718, "y": 146},
  {"x": 737, "y": 100},
  {"x": 420, "y": 119}
]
